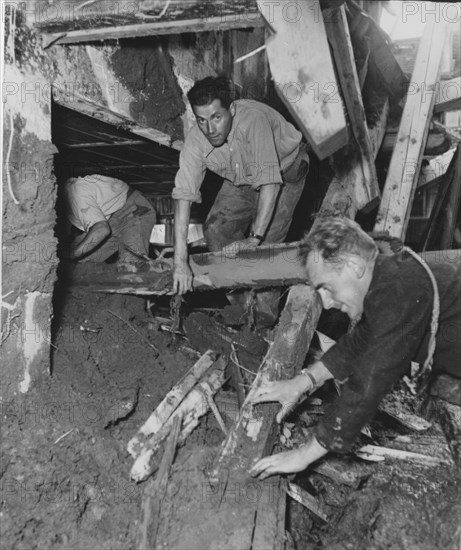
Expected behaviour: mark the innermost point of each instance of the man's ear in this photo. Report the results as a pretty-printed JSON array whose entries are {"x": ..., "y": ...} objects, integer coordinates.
[
  {"x": 232, "y": 108},
  {"x": 357, "y": 265}
]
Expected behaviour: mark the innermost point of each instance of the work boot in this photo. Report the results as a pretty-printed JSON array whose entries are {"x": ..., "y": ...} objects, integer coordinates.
[{"x": 446, "y": 387}]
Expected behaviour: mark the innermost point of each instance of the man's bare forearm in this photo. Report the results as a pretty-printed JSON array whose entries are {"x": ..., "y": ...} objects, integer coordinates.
[
  {"x": 95, "y": 236},
  {"x": 181, "y": 226},
  {"x": 266, "y": 203}
]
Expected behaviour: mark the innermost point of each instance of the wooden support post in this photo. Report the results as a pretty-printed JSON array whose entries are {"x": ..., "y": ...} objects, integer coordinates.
[
  {"x": 405, "y": 164},
  {"x": 306, "y": 83},
  {"x": 366, "y": 189}
]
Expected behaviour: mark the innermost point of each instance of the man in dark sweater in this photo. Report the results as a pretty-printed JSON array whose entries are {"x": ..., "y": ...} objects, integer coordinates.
[{"x": 390, "y": 301}]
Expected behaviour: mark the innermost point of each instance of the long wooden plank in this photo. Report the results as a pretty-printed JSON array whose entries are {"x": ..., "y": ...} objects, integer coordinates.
[
  {"x": 366, "y": 183},
  {"x": 306, "y": 83},
  {"x": 267, "y": 265},
  {"x": 221, "y": 23},
  {"x": 401, "y": 181}
]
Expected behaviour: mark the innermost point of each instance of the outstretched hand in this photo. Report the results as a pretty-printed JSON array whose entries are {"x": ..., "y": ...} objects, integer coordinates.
[
  {"x": 281, "y": 463},
  {"x": 286, "y": 392},
  {"x": 289, "y": 462}
]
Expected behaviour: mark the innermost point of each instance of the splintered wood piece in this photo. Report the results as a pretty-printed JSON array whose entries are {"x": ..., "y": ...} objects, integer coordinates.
[
  {"x": 306, "y": 499},
  {"x": 190, "y": 410},
  {"x": 170, "y": 402},
  {"x": 373, "y": 451},
  {"x": 411, "y": 421},
  {"x": 366, "y": 184}
]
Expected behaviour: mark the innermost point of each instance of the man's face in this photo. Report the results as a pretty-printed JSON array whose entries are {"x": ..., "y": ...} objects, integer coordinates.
[
  {"x": 215, "y": 121},
  {"x": 342, "y": 288}
]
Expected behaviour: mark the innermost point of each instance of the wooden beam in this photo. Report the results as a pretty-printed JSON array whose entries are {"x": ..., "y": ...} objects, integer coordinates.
[
  {"x": 92, "y": 144},
  {"x": 267, "y": 265},
  {"x": 94, "y": 110},
  {"x": 306, "y": 83},
  {"x": 448, "y": 95},
  {"x": 366, "y": 183},
  {"x": 400, "y": 185},
  {"x": 221, "y": 23}
]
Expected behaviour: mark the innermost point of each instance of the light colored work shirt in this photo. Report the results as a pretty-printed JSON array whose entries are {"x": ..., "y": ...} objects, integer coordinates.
[
  {"x": 94, "y": 198},
  {"x": 260, "y": 145}
]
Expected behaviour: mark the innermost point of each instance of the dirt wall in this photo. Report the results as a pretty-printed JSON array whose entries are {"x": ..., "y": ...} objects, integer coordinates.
[{"x": 29, "y": 194}]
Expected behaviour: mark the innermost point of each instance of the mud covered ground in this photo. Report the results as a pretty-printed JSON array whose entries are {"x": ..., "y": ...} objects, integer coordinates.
[{"x": 65, "y": 468}]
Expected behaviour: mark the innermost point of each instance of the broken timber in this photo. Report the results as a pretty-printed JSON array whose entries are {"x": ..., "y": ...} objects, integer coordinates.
[
  {"x": 191, "y": 409},
  {"x": 366, "y": 182},
  {"x": 399, "y": 189},
  {"x": 170, "y": 402},
  {"x": 267, "y": 265},
  {"x": 306, "y": 83}
]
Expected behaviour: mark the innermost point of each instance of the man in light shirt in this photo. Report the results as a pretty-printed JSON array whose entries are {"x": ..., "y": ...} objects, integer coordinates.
[
  {"x": 263, "y": 163},
  {"x": 111, "y": 217}
]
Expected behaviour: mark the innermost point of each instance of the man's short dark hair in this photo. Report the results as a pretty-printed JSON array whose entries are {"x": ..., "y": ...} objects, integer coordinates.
[
  {"x": 335, "y": 237},
  {"x": 205, "y": 91}
]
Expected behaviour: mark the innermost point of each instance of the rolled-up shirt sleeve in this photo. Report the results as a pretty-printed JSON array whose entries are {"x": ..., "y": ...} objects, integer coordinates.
[
  {"x": 372, "y": 358},
  {"x": 192, "y": 168}
]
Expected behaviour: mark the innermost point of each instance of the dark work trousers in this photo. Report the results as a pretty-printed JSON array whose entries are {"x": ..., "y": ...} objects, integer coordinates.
[
  {"x": 131, "y": 226},
  {"x": 230, "y": 218}
]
